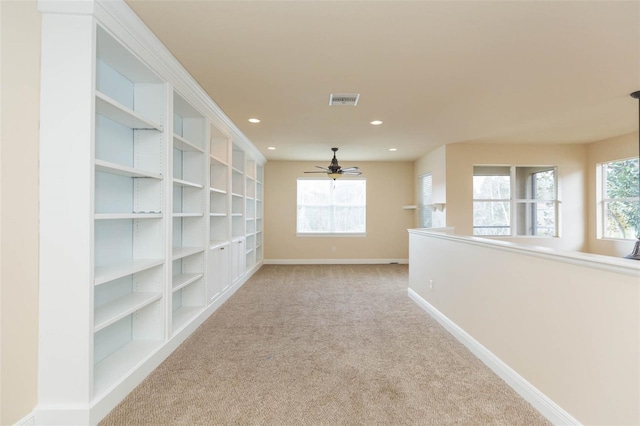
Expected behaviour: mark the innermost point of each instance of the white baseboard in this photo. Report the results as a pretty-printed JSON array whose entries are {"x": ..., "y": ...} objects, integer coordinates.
[
  {"x": 549, "y": 409},
  {"x": 334, "y": 261},
  {"x": 28, "y": 420}
]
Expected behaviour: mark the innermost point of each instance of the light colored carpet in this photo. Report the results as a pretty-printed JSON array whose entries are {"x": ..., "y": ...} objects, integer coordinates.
[{"x": 322, "y": 345}]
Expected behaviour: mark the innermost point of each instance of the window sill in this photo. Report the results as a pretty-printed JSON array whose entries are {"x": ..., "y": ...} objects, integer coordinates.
[
  {"x": 525, "y": 237},
  {"x": 331, "y": 234},
  {"x": 618, "y": 240}
]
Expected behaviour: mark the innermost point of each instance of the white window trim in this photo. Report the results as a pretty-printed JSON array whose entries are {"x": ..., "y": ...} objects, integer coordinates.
[
  {"x": 331, "y": 234},
  {"x": 513, "y": 204},
  {"x": 601, "y": 201},
  {"x": 421, "y": 204}
]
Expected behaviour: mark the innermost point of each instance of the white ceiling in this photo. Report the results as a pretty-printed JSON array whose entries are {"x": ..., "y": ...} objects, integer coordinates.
[{"x": 436, "y": 72}]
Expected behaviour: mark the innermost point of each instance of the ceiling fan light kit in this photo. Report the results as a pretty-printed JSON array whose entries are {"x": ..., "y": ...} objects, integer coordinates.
[{"x": 335, "y": 171}]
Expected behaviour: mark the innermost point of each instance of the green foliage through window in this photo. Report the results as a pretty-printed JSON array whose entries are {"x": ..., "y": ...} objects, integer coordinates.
[{"x": 621, "y": 195}]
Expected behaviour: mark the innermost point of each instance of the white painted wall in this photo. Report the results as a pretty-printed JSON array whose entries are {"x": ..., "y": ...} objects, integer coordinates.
[{"x": 571, "y": 330}]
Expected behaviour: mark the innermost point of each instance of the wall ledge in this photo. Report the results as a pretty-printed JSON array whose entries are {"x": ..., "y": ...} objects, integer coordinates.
[
  {"x": 334, "y": 261},
  {"x": 595, "y": 261},
  {"x": 549, "y": 409}
]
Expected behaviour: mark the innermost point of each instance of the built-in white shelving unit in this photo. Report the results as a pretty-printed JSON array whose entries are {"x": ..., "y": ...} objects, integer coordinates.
[
  {"x": 220, "y": 195},
  {"x": 238, "y": 252},
  {"x": 151, "y": 208},
  {"x": 219, "y": 191},
  {"x": 250, "y": 213},
  {"x": 128, "y": 228},
  {"x": 189, "y": 156},
  {"x": 259, "y": 213},
  {"x": 237, "y": 192}
]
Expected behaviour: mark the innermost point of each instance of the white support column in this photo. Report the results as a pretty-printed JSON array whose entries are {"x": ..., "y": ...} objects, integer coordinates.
[{"x": 66, "y": 216}]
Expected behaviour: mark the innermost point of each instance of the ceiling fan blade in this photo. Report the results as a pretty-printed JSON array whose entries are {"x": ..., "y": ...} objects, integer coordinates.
[
  {"x": 317, "y": 172},
  {"x": 351, "y": 173},
  {"x": 351, "y": 169},
  {"x": 323, "y": 168}
]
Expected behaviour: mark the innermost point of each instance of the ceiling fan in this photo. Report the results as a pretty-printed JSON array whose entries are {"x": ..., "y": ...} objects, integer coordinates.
[{"x": 334, "y": 170}]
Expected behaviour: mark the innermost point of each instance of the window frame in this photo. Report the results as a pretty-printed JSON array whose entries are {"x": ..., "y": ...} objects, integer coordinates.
[
  {"x": 331, "y": 208},
  {"x": 601, "y": 201},
  {"x": 425, "y": 206},
  {"x": 515, "y": 202}
]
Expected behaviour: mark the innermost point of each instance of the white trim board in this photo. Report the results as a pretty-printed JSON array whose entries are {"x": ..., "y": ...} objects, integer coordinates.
[
  {"x": 28, "y": 420},
  {"x": 334, "y": 261},
  {"x": 549, "y": 409}
]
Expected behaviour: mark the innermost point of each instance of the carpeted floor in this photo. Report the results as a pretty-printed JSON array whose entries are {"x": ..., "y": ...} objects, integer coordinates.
[{"x": 322, "y": 345}]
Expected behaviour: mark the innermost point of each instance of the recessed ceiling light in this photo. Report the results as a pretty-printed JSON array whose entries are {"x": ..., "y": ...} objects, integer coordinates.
[
  {"x": 254, "y": 120},
  {"x": 376, "y": 122},
  {"x": 393, "y": 149},
  {"x": 271, "y": 148}
]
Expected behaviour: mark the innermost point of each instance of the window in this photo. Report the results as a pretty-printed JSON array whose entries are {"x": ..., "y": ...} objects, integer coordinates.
[
  {"x": 426, "y": 199},
  {"x": 336, "y": 207},
  {"x": 510, "y": 200},
  {"x": 620, "y": 205}
]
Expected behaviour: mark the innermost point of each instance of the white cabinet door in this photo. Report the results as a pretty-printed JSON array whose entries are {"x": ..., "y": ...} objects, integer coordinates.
[
  {"x": 218, "y": 280},
  {"x": 238, "y": 259}
]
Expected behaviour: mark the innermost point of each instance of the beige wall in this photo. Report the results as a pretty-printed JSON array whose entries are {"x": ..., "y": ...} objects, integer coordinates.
[
  {"x": 389, "y": 187},
  {"x": 571, "y": 162},
  {"x": 613, "y": 149},
  {"x": 19, "y": 216},
  {"x": 571, "y": 330}
]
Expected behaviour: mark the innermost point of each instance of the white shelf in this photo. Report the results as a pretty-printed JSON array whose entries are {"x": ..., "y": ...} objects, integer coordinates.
[
  {"x": 187, "y": 215},
  {"x": 183, "y": 280},
  {"x": 117, "y": 169},
  {"x": 219, "y": 191},
  {"x": 236, "y": 170},
  {"x": 180, "y": 252},
  {"x": 108, "y": 216},
  {"x": 121, "y": 114},
  {"x": 214, "y": 159},
  {"x": 113, "y": 311},
  {"x": 218, "y": 214},
  {"x": 187, "y": 183},
  {"x": 118, "y": 365},
  {"x": 183, "y": 315},
  {"x": 110, "y": 272},
  {"x": 235, "y": 194},
  {"x": 184, "y": 145},
  {"x": 236, "y": 214}
]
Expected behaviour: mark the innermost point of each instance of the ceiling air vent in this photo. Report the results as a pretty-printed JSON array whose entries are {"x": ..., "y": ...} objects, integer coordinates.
[{"x": 344, "y": 99}]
